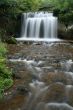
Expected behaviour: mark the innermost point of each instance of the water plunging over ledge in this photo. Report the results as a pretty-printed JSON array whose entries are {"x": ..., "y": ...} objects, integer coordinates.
[{"x": 38, "y": 26}]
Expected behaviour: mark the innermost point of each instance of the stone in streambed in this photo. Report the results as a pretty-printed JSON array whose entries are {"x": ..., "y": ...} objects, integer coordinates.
[
  {"x": 55, "y": 93},
  {"x": 69, "y": 94},
  {"x": 52, "y": 77},
  {"x": 22, "y": 89}
]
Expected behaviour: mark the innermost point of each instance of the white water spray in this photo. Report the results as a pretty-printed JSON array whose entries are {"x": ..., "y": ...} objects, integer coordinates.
[{"x": 38, "y": 26}]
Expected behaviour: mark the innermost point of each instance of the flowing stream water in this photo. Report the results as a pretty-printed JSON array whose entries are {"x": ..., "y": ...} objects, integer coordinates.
[
  {"x": 52, "y": 93},
  {"x": 51, "y": 85}
]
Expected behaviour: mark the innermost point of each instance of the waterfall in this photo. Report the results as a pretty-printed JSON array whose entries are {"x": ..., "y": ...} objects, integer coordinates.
[{"x": 38, "y": 26}]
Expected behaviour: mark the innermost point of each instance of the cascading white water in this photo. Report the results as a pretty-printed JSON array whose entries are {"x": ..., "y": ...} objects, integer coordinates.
[{"x": 38, "y": 26}]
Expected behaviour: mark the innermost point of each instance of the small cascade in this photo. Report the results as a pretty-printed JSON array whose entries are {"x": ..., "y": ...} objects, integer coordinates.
[
  {"x": 38, "y": 26},
  {"x": 43, "y": 75},
  {"x": 48, "y": 90}
]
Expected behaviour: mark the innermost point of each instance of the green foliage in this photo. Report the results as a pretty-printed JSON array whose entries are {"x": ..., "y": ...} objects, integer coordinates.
[
  {"x": 67, "y": 18},
  {"x": 29, "y": 5},
  {"x": 5, "y": 73},
  {"x": 16, "y": 6},
  {"x": 3, "y": 50},
  {"x": 4, "y": 84},
  {"x": 61, "y": 8}
]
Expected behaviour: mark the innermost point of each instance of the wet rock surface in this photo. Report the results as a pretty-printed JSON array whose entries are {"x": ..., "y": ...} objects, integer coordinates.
[{"x": 43, "y": 77}]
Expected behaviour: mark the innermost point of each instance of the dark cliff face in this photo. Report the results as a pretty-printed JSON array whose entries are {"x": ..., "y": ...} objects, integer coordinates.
[
  {"x": 10, "y": 26},
  {"x": 65, "y": 33}
]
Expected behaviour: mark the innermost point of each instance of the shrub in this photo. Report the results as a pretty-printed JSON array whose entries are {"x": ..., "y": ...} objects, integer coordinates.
[
  {"x": 3, "y": 50},
  {"x": 5, "y": 73}
]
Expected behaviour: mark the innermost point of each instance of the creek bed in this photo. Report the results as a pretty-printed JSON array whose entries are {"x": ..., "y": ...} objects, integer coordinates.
[{"x": 51, "y": 64}]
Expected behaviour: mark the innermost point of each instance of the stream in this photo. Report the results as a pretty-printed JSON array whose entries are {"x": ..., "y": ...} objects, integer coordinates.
[{"x": 43, "y": 77}]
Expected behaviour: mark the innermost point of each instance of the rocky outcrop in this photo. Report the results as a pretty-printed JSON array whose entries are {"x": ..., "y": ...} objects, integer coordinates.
[{"x": 65, "y": 33}]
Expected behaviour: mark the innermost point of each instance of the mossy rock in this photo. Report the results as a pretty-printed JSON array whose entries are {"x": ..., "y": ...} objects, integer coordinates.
[{"x": 11, "y": 40}]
